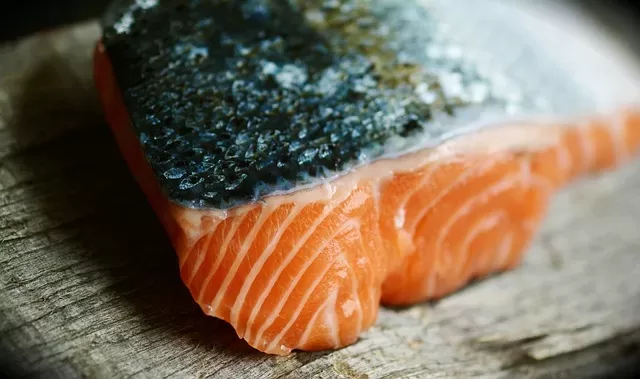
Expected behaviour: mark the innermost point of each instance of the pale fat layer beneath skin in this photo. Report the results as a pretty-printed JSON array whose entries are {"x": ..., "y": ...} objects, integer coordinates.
[
  {"x": 514, "y": 137},
  {"x": 603, "y": 77}
]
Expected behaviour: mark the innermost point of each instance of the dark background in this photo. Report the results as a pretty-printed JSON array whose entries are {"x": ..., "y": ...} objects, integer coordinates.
[{"x": 21, "y": 18}]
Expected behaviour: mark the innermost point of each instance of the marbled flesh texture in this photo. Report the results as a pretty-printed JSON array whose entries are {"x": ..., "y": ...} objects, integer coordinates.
[{"x": 232, "y": 100}]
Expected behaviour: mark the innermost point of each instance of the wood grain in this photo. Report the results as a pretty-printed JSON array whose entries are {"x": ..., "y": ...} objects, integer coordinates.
[{"x": 89, "y": 285}]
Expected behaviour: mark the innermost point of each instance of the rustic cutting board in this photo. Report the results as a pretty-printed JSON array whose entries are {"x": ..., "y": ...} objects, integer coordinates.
[{"x": 89, "y": 285}]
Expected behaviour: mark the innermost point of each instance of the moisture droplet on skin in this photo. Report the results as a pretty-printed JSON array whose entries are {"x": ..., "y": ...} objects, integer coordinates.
[
  {"x": 291, "y": 76},
  {"x": 210, "y": 195},
  {"x": 190, "y": 183},
  {"x": 175, "y": 173},
  {"x": 307, "y": 156}
]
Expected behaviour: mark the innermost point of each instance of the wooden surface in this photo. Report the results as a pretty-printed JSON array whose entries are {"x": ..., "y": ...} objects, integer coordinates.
[{"x": 89, "y": 285}]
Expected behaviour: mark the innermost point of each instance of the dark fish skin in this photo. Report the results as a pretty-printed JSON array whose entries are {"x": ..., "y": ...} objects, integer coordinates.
[
  {"x": 461, "y": 200},
  {"x": 233, "y": 100}
]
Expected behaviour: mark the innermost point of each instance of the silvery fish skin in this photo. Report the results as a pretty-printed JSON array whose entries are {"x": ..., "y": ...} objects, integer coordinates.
[
  {"x": 311, "y": 160},
  {"x": 235, "y": 101},
  {"x": 550, "y": 49}
]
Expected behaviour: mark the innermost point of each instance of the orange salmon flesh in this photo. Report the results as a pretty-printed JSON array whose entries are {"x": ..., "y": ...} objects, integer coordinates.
[{"x": 308, "y": 270}]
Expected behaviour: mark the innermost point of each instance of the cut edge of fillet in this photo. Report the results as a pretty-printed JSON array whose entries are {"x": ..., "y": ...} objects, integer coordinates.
[{"x": 382, "y": 247}]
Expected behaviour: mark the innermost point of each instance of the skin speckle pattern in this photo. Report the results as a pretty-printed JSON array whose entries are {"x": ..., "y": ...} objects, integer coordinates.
[{"x": 233, "y": 100}]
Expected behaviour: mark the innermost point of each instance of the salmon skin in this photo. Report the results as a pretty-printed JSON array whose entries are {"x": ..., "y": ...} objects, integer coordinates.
[{"x": 312, "y": 159}]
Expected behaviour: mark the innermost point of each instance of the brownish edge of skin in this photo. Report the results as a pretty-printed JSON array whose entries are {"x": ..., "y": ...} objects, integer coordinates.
[{"x": 170, "y": 214}]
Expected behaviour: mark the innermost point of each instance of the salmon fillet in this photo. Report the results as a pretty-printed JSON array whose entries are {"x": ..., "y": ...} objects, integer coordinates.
[{"x": 307, "y": 266}]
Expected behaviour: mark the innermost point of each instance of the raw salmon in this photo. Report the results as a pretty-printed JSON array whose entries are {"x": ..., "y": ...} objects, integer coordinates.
[{"x": 296, "y": 248}]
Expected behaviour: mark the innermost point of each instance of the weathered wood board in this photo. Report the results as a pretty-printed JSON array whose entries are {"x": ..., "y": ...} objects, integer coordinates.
[{"x": 89, "y": 285}]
